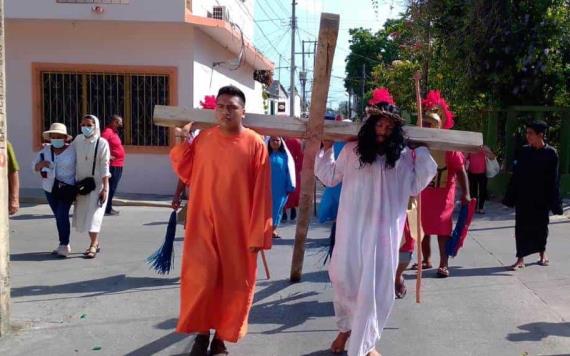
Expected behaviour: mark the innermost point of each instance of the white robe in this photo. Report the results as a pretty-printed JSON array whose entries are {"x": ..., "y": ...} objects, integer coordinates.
[
  {"x": 370, "y": 223},
  {"x": 88, "y": 215}
]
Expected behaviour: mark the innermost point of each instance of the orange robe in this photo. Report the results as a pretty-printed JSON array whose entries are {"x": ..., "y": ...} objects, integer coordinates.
[{"x": 230, "y": 183}]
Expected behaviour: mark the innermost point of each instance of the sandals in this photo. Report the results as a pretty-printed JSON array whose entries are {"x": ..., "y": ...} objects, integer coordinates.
[
  {"x": 544, "y": 263},
  {"x": 443, "y": 272},
  {"x": 92, "y": 251},
  {"x": 200, "y": 346},
  {"x": 425, "y": 265},
  {"x": 516, "y": 266}
]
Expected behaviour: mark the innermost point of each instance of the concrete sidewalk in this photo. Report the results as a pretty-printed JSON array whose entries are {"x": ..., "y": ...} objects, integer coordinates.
[{"x": 114, "y": 305}]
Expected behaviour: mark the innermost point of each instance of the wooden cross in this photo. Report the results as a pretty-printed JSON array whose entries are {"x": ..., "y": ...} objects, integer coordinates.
[{"x": 315, "y": 130}]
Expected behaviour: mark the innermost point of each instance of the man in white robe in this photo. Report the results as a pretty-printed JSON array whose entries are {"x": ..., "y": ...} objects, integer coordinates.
[{"x": 378, "y": 174}]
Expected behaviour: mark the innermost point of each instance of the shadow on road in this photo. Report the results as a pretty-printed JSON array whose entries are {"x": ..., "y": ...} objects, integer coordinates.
[
  {"x": 39, "y": 256},
  {"x": 539, "y": 331},
  {"x": 95, "y": 287},
  {"x": 289, "y": 310},
  {"x": 33, "y": 217},
  {"x": 323, "y": 353}
]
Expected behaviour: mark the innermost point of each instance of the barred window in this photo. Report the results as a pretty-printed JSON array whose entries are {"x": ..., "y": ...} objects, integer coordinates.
[{"x": 67, "y": 96}]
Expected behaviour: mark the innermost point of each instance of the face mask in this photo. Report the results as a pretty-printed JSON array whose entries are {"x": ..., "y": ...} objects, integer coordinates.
[
  {"x": 87, "y": 131},
  {"x": 57, "y": 142}
]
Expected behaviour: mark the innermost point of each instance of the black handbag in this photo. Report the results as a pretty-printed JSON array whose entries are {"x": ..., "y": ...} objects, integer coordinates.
[
  {"x": 61, "y": 190},
  {"x": 87, "y": 185}
]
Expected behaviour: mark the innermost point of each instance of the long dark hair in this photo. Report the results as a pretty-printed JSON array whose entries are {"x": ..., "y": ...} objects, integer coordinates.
[
  {"x": 368, "y": 148},
  {"x": 281, "y": 147}
]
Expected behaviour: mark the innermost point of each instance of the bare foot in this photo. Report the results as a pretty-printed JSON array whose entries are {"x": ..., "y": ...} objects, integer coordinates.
[
  {"x": 339, "y": 344},
  {"x": 374, "y": 353},
  {"x": 518, "y": 265}
]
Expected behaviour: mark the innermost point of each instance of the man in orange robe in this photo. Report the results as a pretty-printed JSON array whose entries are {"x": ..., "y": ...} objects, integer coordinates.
[{"x": 226, "y": 168}]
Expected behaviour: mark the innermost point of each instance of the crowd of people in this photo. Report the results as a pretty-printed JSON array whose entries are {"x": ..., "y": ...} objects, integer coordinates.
[{"x": 378, "y": 175}]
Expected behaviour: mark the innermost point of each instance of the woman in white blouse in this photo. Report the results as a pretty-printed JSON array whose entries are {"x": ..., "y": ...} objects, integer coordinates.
[
  {"x": 55, "y": 163},
  {"x": 92, "y": 160}
]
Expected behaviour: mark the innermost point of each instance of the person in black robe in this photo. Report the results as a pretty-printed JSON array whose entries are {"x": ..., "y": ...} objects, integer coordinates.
[{"x": 534, "y": 191}]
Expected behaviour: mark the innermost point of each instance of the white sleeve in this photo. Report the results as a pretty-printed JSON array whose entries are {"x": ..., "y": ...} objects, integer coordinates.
[
  {"x": 424, "y": 169},
  {"x": 104, "y": 158},
  {"x": 329, "y": 171}
]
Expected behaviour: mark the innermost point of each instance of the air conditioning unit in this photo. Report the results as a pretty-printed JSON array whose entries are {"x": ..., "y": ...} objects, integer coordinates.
[{"x": 221, "y": 13}]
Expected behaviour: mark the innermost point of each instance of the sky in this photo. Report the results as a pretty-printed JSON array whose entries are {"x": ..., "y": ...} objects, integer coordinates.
[{"x": 273, "y": 34}]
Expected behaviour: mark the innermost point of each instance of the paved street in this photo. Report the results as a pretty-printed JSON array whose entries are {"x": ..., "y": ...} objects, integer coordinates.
[{"x": 114, "y": 305}]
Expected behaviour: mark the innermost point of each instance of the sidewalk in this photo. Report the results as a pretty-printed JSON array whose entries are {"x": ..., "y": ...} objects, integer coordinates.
[{"x": 114, "y": 305}]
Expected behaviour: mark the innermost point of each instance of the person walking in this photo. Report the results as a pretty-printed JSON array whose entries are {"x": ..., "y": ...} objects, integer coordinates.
[
  {"x": 92, "y": 177},
  {"x": 281, "y": 182},
  {"x": 117, "y": 152},
  {"x": 534, "y": 191},
  {"x": 227, "y": 170},
  {"x": 55, "y": 163},
  {"x": 477, "y": 174}
]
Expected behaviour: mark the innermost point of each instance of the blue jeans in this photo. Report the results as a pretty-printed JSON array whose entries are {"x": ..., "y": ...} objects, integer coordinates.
[
  {"x": 116, "y": 174},
  {"x": 60, "y": 210}
]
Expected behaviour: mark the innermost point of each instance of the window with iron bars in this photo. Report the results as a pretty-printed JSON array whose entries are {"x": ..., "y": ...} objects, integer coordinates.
[{"x": 67, "y": 96}]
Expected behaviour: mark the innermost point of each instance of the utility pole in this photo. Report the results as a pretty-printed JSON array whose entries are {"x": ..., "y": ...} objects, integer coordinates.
[
  {"x": 4, "y": 232},
  {"x": 279, "y": 70},
  {"x": 350, "y": 104},
  {"x": 363, "y": 88},
  {"x": 303, "y": 74},
  {"x": 292, "y": 88}
]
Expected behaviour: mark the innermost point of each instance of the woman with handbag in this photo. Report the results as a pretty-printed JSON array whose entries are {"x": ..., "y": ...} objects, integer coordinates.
[
  {"x": 56, "y": 165},
  {"x": 92, "y": 177}
]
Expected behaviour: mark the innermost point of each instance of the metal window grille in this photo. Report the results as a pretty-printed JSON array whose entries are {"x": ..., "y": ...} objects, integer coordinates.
[{"x": 66, "y": 97}]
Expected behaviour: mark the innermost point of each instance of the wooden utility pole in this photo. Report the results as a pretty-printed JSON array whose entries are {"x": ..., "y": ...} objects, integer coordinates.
[
  {"x": 4, "y": 240},
  {"x": 292, "y": 77},
  {"x": 326, "y": 45}
]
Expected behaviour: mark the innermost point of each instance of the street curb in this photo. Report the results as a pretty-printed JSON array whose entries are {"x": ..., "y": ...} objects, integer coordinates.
[{"x": 116, "y": 202}]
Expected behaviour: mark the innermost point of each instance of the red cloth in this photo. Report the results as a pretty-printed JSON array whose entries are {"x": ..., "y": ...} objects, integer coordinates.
[
  {"x": 477, "y": 163},
  {"x": 409, "y": 243},
  {"x": 115, "y": 145},
  {"x": 438, "y": 201},
  {"x": 296, "y": 148}
]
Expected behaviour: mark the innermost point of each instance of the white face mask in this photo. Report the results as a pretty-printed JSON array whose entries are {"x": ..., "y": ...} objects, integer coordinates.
[
  {"x": 57, "y": 142},
  {"x": 87, "y": 130}
]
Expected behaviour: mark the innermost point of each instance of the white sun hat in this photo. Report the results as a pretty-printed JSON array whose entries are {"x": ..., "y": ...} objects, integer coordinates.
[{"x": 56, "y": 128}]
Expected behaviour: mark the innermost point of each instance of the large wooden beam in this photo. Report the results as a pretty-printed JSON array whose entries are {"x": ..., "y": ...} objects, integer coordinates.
[
  {"x": 328, "y": 33},
  {"x": 451, "y": 140}
]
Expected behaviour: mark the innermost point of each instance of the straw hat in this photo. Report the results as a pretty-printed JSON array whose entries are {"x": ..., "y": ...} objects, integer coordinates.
[{"x": 56, "y": 128}]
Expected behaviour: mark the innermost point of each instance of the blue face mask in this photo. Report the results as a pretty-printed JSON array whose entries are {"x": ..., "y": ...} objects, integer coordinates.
[
  {"x": 87, "y": 131},
  {"x": 57, "y": 142}
]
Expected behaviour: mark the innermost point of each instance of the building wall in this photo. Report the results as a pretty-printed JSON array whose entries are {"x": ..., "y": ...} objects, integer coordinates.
[
  {"x": 241, "y": 12},
  {"x": 210, "y": 79},
  {"x": 117, "y": 44},
  {"x": 135, "y": 10},
  {"x": 94, "y": 43}
]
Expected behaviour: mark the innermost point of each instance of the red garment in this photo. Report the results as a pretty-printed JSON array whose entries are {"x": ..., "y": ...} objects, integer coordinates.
[
  {"x": 477, "y": 163},
  {"x": 115, "y": 146},
  {"x": 409, "y": 244},
  {"x": 438, "y": 199},
  {"x": 296, "y": 148}
]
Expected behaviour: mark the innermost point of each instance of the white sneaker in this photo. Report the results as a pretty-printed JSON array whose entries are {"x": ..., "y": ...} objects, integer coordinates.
[{"x": 63, "y": 250}]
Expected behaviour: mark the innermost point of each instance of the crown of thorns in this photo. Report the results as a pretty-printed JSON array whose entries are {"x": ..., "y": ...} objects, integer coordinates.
[{"x": 375, "y": 111}]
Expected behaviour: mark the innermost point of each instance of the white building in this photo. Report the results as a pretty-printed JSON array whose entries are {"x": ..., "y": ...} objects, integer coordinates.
[
  {"x": 66, "y": 58},
  {"x": 278, "y": 102}
]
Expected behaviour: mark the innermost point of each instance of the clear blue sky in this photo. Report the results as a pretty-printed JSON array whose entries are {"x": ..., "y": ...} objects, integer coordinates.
[{"x": 273, "y": 33}]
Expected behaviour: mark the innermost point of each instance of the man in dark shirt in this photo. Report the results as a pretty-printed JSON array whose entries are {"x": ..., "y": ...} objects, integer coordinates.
[{"x": 111, "y": 134}]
